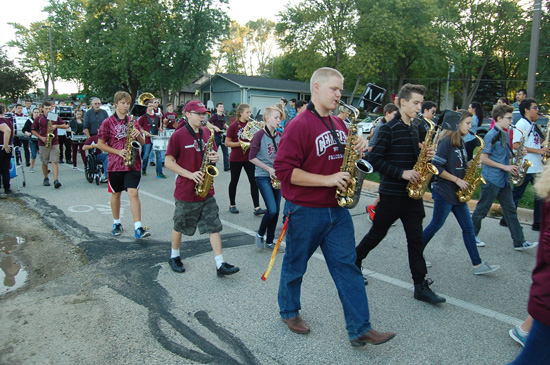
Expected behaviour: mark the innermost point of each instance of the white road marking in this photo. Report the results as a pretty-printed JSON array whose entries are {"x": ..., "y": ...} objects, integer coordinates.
[{"x": 388, "y": 279}]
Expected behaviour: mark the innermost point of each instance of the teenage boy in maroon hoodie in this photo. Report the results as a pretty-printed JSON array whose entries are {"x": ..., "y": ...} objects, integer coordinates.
[{"x": 308, "y": 165}]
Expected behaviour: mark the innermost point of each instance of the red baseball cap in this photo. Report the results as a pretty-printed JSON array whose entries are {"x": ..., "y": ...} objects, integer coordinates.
[{"x": 195, "y": 106}]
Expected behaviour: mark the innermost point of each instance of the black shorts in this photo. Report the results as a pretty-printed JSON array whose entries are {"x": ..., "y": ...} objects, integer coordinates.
[{"x": 123, "y": 180}]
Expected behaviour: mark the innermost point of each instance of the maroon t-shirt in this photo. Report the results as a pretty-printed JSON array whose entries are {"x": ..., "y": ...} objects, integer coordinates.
[
  {"x": 308, "y": 144},
  {"x": 9, "y": 123},
  {"x": 114, "y": 132},
  {"x": 234, "y": 133},
  {"x": 184, "y": 147},
  {"x": 539, "y": 296},
  {"x": 172, "y": 117},
  {"x": 146, "y": 125},
  {"x": 93, "y": 140},
  {"x": 181, "y": 123},
  {"x": 41, "y": 126}
]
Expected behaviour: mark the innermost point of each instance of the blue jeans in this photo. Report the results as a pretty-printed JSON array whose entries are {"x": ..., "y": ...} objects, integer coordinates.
[
  {"x": 272, "y": 199},
  {"x": 441, "y": 211},
  {"x": 104, "y": 159},
  {"x": 489, "y": 193},
  {"x": 221, "y": 144},
  {"x": 332, "y": 230},
  {"x": 536, "y": 350},
  {"x": 518, "y": 192},
  {"x": 145, "y": 152},
  {"x": 34, "y": 149}
]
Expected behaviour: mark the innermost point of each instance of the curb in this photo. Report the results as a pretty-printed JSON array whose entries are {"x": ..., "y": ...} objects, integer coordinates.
[{"x": 525, "y": 216}]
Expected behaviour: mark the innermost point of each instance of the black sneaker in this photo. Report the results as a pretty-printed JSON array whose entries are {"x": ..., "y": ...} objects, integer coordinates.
[
  {"x": 46, "y": 182},
  {"x": 176, "y": 264},
  {"x": 56, "y": 184},
  {"x": 503, "y": 223},
  {"x": 259, "y": 211},
  {"x": 117, "y": 229},
  {"x": 227, "y": 269},
  {"x": 424, "y": 293}
]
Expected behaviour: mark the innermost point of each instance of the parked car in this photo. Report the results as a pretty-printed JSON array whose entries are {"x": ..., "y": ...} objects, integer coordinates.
[
  {"x": 542, "y": 122},
  {"x": 365, "y": 126}
]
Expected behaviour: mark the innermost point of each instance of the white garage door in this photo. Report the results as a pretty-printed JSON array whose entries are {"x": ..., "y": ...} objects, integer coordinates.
[{"x": 260, "y": 102}]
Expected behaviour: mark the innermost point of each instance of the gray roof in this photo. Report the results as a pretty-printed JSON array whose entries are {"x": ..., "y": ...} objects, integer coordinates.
[{"x": 266, "y": 83}]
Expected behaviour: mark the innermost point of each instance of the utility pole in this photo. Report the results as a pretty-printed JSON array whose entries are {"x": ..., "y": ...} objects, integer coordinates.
[{"x": 534, "y": 51}]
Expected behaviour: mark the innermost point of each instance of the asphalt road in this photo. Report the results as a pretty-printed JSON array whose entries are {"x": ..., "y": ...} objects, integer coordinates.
[{"x": 196, "y": 317}]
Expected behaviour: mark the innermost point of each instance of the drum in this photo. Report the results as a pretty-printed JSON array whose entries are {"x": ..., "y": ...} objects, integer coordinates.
[
  {"x": 19, "y": 125},
  {"x": 79, "y": 138},
  {"x": 160, "y": 143},
  {"x": 167, "y": 133}
]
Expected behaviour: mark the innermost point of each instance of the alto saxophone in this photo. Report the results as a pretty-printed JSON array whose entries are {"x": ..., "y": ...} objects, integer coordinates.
[
  {"x": 49, "y": 134},
  {"x": 353, "y": 163},
  {"x": 423, "y": 165},
  {"x": 473, "y": 176},
  {"x": 132, "y": 146},
  {"x": 517, "y": 179},
  {"x": 209, "y": 171}
]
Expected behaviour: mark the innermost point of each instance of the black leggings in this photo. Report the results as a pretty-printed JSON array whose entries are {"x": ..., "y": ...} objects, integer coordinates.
[
  {"x": 5, "y": 169},
  {"x": 236, "y": 174}
]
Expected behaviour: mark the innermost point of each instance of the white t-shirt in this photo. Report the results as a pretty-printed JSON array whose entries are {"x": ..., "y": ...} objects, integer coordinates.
[{"x": 532, "y": 140}]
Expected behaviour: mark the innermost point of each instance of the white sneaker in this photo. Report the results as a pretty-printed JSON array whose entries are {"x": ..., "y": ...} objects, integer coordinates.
[
  {"x": 525, "y": 246},
  {"x": 485, "y": 268},
  {"x": 479, "y": 243},
  {"x": 74, "y": 168},
  {"x": 260, "y": 243},
  {"x": 428, "y": 264}
]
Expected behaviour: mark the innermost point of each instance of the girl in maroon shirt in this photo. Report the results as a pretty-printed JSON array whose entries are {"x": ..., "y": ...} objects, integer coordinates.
[{"x": 239, "y": 160}]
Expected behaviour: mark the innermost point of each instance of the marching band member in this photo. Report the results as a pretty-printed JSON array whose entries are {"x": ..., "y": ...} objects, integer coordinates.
[
  {"x": 308, "y": 165},
  {"x": 451, "y": 161},
  {"x": 239, "y": 160},
  {"x": 533, "y": 144},
  {"x": 263, "y": 148},
  {"x": 169, "y": 119},
  {"x": 495, "y": 159},
  {"x": 217, "y": 122},
  {"x": 5, "y": 151},
  {"x": 33, "y": 142},
  {"x": 112, "y": 138},
  {"x": 18, "y": 141},
  {"x": 77, "y": 128},
  {"x": 394, "y": 156},
  {"x": 150, "y": 125},
  {"x": 184, "y": 156},
  {"x": 48, "y": 154}
]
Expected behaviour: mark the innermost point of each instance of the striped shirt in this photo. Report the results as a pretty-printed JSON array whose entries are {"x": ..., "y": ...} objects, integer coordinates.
[{"x": 395, "y": 151}]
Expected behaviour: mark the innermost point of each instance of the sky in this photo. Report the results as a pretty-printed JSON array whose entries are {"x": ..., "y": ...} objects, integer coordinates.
[{"x": 28, "y": 11}]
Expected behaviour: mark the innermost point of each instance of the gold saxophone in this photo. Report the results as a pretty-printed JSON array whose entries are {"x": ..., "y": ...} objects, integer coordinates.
[
  {"x": 473, "y": 176},
  {"x": 353, "y": 163},
  {"x": 132, "y": 146},
  {"x": 423, "y": 165},
  {"x": 522, "y": 168},
  {"x": 209, "y": 171},
  {"x": 49, "y": 136},
  {"x": 249, "y": 131},
  {"x": 546, "y": 142}
]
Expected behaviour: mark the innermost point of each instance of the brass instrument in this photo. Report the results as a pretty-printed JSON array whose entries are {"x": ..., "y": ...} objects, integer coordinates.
[
  {"x": 275, "y": 183},
  {"x": 249, "y": 131},
  {"x": 522, "y": 168},
  {"x": 353, "y": 163},
  {"x": 142, "y": 98},
  {"x": 473, "y": 176},
  {"x": 132, "y": 146},
  {"x": 49, "y": 136},
  {"x": 423, "y": 166},
  {"x": 546, "y": 142},
  {"x": 209, "y": 171}
]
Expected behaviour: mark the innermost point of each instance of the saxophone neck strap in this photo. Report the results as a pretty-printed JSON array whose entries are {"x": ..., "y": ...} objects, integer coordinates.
[
  {"x": 198, "y": 139},
  {"x": 272, "y": 137},
  {"x": 332, "y": 130}
]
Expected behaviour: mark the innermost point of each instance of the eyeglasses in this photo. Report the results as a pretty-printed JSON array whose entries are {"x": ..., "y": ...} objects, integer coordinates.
[
  {"x": 201, "y": 114},
  {"x": 534, "y": 107}
]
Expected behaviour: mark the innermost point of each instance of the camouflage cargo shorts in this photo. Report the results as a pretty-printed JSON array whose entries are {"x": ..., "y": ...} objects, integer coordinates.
[{"x": 204, "y": 214}]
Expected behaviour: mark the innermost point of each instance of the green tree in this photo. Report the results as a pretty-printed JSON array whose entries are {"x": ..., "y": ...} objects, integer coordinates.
[
  {"x": 261, "y": 42},
  {"x": 233, "y": 49},
  {"x": 14, "y": 81}
]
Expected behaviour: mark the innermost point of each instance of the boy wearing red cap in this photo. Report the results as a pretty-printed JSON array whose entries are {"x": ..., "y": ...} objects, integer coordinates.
[{"x": 184, "y": 156}]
